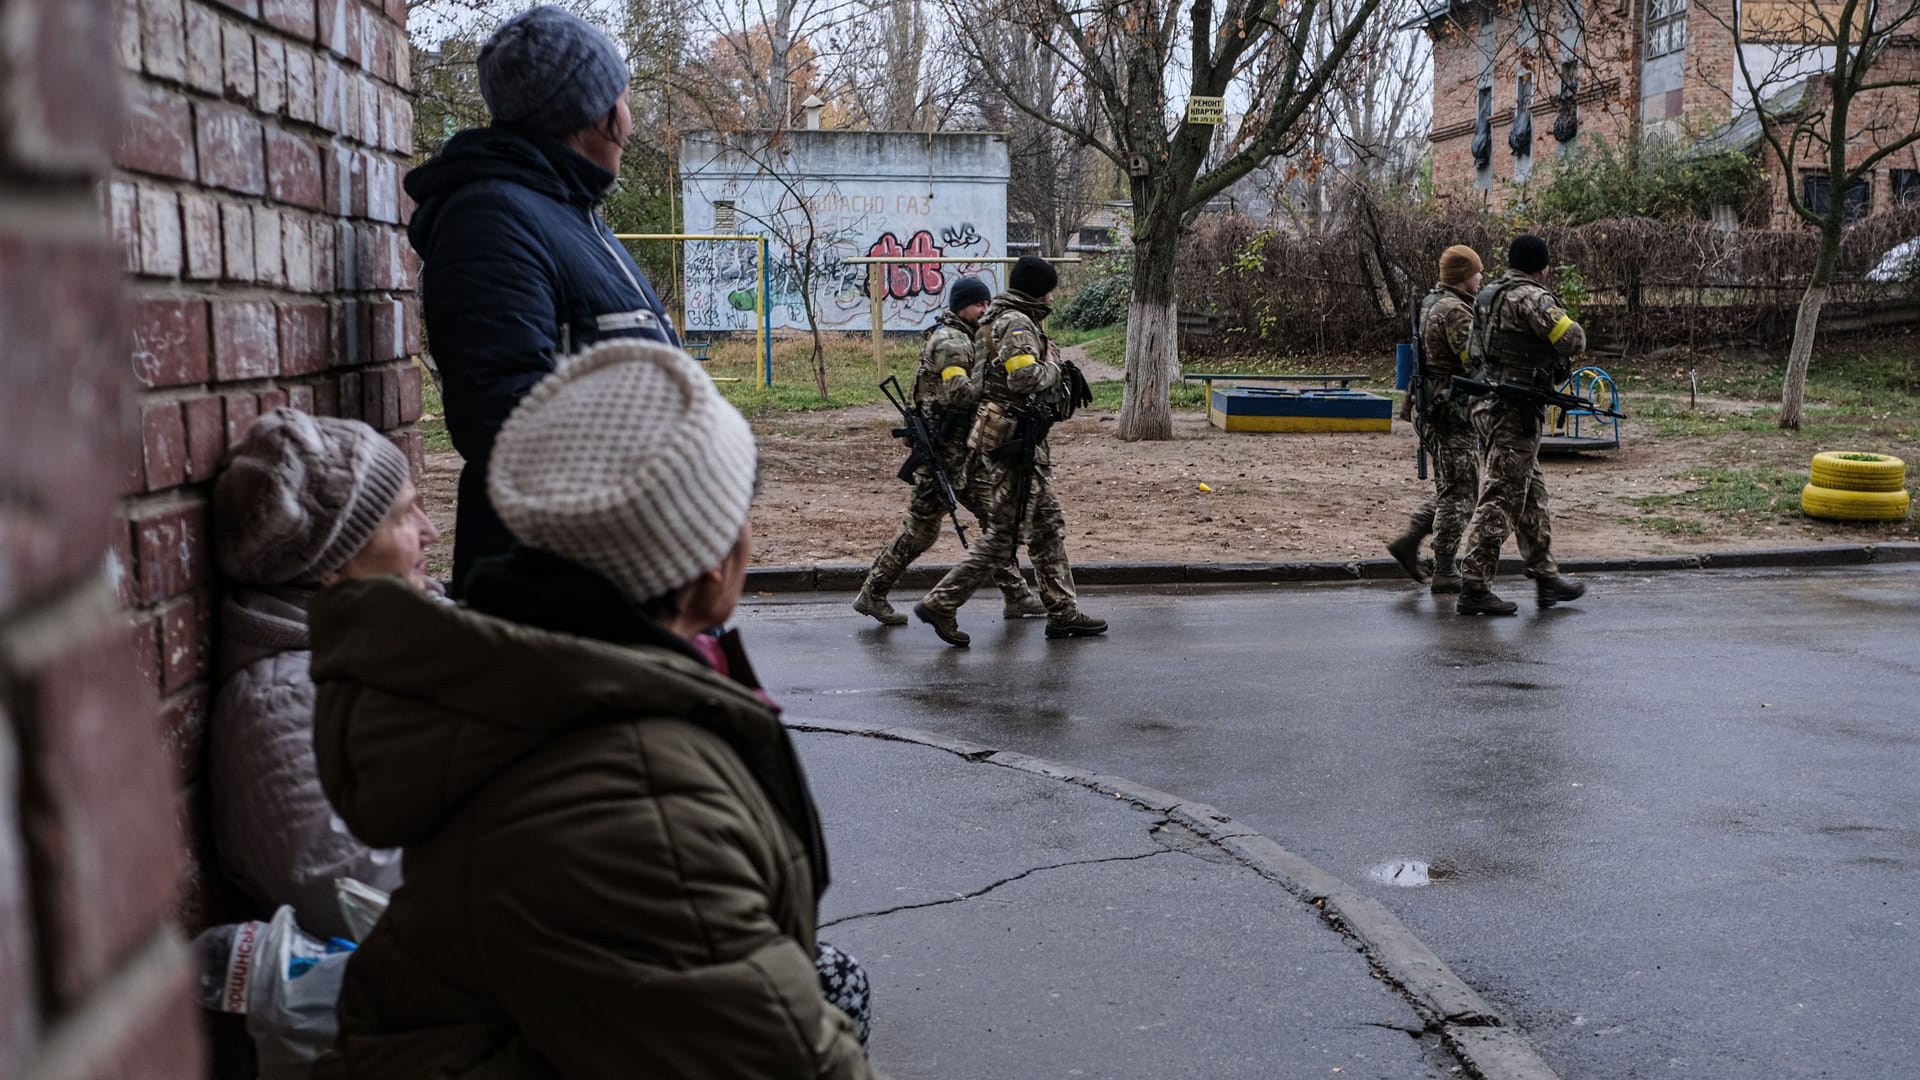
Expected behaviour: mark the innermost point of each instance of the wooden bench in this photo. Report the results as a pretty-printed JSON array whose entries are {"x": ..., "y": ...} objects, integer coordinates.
[{"x": 1324, "y": 380}]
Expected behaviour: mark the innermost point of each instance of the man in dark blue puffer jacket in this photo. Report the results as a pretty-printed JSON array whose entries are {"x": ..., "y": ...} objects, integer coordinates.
[{"x": 518, "y": 268}]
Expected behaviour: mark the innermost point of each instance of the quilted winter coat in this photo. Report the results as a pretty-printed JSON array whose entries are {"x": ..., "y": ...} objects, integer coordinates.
[
  {"x": 274, "y": 831},
  {"x": 518, "y": 270},
  {"x": 613, "y": 859}
]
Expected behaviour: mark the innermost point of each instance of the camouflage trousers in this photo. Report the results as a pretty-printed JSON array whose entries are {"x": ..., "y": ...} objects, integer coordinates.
[
  {"x": 1513, "y": 494},
  {"x": 926, "y": 516},
  {"x": 1454, "y": 448},
  {"x": 990, "y": 488}
]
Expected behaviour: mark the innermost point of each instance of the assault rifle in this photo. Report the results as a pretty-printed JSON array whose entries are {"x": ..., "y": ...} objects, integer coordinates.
[
  {"x": 1529, "y": 395},
  {"x": 925, "y": 450}
]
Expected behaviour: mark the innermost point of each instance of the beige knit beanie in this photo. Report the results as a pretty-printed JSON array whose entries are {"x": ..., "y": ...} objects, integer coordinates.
[
  {"x": 1457, "y": 264},
  {"x": 629, "y": 462},
  {"x": 301, "y": 495}
]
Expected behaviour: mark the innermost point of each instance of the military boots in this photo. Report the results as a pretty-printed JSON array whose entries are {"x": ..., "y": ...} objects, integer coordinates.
[
  {"x": 1557, "y": 588},
  {"x": 1405, "y": 550},
  {"x": 1481, "y": 601},
  {"x": 1446, "y": 576},
  {"x": 1075, "y": 623},
  {"x": 873, "y": 604},
  {"x": 944, "y": 623}
]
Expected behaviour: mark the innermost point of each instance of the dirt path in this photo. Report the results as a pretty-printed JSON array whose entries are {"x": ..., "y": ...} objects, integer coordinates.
[{"x": 828, "y": 494}]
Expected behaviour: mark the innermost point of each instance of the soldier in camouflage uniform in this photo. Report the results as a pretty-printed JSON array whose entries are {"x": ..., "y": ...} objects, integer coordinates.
[
  {"x": 1521, "y": 334},
  {"x": 1446, "y": 428},
  {"x": 1017, "y": 375},
  {"x": 943, "y": 390}
]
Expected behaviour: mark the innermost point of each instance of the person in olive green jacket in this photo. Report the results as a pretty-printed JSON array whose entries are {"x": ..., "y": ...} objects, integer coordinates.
[{"x": 613, "y": 858}]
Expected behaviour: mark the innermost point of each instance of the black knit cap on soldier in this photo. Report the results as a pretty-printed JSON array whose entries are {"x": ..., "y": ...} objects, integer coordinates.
[
  {"x": 968, "y": 290},
  {"x": 1528, "y": 254},
  {"x": 1033, "y": 276}
]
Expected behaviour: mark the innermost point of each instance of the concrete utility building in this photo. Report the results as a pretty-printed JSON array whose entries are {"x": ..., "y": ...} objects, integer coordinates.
[
  {"x": 1520, "y": 85},
  {"x": 839, "y": 195}
]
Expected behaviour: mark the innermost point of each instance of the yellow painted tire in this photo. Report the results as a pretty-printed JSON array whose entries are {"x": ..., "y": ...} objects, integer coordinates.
[
  {"x": 1835, "y": 505},
  {"x": 1840, "y": 473}
]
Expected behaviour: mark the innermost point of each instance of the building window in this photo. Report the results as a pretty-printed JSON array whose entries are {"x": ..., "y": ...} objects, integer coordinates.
[
  {"x": 1816, "y": 191},
  {"x": 723, "y": 217},
  {"x": 1096, "y": 238},
  {"x": 1906, "y": 187},
  {"x": 1666, "y": 27}
]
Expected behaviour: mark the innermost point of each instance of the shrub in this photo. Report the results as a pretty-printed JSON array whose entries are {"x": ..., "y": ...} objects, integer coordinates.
[
  {"x": 1667, "y": 184},
  {"x": 1102, "y": 300}
]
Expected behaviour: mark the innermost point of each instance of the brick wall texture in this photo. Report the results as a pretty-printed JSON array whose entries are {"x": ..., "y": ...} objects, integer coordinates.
[
  {"x": 1615, "y": 101},
  {"x": 202, "y": 220}
]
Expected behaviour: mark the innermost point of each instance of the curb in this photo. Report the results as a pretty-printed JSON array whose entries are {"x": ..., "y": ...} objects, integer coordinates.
[
  {"x": 847, "y": 577},
  {"x": 1486, "y": 1042}
]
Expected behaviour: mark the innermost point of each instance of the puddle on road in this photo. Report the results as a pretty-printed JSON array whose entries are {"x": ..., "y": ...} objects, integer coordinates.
[{"x": 1406, "y": 873}]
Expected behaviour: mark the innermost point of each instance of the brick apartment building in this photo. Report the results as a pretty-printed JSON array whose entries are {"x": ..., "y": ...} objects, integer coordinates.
[{"x": 1529, "y": 83}]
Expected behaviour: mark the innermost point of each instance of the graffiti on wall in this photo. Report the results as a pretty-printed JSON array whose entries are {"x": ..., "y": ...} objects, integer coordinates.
[{"x": 722, "y": 278}]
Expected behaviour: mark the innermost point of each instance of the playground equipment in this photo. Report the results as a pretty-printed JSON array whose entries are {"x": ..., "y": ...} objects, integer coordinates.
[
  {"x": 1316, "y": 409},
  {"x": 1855, "y": 486},
  {"x": 1583, "y": 429},
  {"x": 762, "y": 312}
]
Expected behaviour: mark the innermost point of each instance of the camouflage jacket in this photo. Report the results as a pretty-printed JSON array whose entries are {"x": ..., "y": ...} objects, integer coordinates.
[
  {"x": 1446, "y": 321},
  {"x": 1521, "y": 333},
  {"x": 943, "y": 385},
  {"x": 1012, "y": 358}
]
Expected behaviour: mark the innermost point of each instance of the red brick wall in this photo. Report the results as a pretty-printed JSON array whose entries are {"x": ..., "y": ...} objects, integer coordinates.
[
  {"x": 1606, "y": 86},
  {"x": 257, "y": 207},
  {"x": 94, "y": 978}
]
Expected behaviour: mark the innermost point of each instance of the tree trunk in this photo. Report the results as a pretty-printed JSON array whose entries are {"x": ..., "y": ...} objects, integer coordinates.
[
  {"x": 1793, "y": 394},
  {"x": 1153, "y": 326}
]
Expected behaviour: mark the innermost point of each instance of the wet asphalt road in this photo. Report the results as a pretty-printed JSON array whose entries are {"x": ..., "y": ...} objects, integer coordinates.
[{"x": 1672, "y": 830}]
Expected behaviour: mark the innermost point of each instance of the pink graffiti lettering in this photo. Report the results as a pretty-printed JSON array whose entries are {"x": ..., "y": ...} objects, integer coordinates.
[{"x": 910, "y": 279}]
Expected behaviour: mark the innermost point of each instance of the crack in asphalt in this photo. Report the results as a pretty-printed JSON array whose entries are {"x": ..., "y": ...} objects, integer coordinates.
[{"x": 977, "y": 893}]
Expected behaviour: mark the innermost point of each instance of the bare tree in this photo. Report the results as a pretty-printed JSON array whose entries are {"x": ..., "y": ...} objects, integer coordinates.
[
  {"x": 1053, "y": 176},
  {"x": 1833, "y": 83},
  {"x": 1132, "y": 58}
]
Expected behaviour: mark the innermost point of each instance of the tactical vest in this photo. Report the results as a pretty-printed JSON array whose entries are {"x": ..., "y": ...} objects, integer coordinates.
[{"x": 1506, "y": 354}]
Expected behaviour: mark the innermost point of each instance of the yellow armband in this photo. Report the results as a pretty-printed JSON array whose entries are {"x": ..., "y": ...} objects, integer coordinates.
[
  {"x": 1560, "y": 329},
  {"x": 1023, "y": 360},
  {"x": 953, "y": 372}
]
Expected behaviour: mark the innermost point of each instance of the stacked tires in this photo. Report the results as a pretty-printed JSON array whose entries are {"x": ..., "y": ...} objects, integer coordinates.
[{"x": 1856, "y": 487}]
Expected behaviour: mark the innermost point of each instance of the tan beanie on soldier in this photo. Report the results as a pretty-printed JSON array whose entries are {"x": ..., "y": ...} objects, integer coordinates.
[{"x": 1457, "y": 264}]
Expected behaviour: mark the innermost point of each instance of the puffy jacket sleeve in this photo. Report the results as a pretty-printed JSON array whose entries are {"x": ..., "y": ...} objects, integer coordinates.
[
  {"x": 277, "y": 833},
  {"x": 1025, "y": 358},
  {"x": 638, "y": 936},
  {"x": 492, "y": 314}
]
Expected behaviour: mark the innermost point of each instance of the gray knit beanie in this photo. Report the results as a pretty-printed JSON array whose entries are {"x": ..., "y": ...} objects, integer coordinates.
[
  {"x": 548, "y": 71},
  {"x": 629, "y": 462},
  {"x": 301, "y": 495}
]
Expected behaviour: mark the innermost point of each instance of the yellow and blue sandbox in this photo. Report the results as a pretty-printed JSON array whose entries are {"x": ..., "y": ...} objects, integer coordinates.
[{"x": 1260, "y": 408}]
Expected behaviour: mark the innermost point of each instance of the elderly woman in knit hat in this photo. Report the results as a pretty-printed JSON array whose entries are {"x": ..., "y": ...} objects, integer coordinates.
[
  {"x": 303, "y": 502},
  {"x": 1446, "y": 430},
  {"x": 613, "y": 857},
  {"x": 519, "y": 269}
]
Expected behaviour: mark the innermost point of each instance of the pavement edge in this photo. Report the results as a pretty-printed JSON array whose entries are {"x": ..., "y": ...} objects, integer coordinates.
[
  {"x": 1487, "y": 1042},
  {"x": 847, "y": 577}
]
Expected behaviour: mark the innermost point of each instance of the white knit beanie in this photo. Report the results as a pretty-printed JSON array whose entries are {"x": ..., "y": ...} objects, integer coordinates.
[{"x": 629, "y": 462}]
